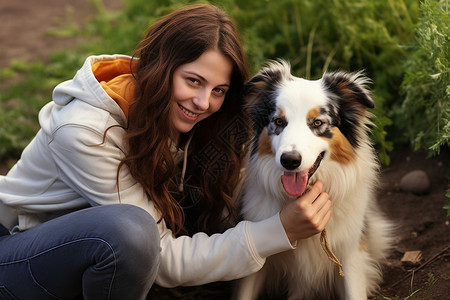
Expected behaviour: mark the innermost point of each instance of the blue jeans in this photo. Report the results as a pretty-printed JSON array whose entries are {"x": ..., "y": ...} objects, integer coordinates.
[{"x": 103, "y": 252}]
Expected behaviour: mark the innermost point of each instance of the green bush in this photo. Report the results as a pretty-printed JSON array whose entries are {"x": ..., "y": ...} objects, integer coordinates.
[{"x": 424, "y": 114}]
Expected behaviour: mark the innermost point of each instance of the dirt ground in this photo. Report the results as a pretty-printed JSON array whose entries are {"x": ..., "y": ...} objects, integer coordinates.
[
  {"x": 422, "y": 223},
  {"x": 25, "y": 24}
]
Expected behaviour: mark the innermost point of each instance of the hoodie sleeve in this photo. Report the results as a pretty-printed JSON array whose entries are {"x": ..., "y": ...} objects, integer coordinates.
[{"x": 89, "y": 166}]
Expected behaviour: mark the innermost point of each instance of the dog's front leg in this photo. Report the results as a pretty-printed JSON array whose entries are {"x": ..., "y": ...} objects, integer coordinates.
[
  {"x": 248, "y": 288},
  {"x": 355, "y": 279}
]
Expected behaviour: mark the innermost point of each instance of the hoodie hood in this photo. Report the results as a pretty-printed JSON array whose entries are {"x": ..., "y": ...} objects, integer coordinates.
[
  {"x": 116, "y": 79},
  {"x": 87, "y": 91}
]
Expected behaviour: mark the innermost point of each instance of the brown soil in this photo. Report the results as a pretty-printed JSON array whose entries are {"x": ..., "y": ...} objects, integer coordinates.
[
  {"x": 422, "y": 225},
  {"x": 422, "y": 222},
  {"x": 26, "y": 23}
]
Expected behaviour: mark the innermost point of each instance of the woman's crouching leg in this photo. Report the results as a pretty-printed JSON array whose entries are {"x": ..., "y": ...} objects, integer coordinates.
[
  {"x": 126, "y": 259},
  {"x": 103, "y": 252}
]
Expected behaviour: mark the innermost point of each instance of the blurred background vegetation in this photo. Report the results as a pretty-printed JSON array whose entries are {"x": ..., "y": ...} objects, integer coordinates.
[{"x": 401, "y": 44}]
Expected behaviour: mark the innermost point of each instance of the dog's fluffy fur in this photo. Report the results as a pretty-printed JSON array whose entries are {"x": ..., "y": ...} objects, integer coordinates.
[{"x": 301, "y": 126}]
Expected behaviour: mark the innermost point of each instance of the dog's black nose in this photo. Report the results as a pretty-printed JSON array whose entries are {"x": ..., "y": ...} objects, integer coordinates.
[{"x": 291, "y": 160}]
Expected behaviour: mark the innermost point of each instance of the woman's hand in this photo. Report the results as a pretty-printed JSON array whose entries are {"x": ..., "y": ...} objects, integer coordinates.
[{"x": 307, "y": 215}]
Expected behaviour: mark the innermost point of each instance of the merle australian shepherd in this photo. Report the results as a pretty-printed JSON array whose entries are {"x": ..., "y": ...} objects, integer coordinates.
[{"x": 306, "y": 131}]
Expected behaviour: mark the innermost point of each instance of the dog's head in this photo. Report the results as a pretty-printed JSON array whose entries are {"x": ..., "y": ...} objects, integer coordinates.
[{"x": 301, "y": 122}]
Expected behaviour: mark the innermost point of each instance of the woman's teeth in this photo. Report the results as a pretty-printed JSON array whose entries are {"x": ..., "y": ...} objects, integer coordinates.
[{"x": 190, "y": 114}]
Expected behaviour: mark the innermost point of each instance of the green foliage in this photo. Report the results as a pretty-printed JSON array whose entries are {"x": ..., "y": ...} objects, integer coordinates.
[
  {"x": 120, "y": 32},
  {"x": 424, "y": 114}
]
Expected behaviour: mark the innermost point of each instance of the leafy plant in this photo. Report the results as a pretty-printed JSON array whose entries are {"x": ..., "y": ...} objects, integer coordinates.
[{"x": 424, "y": 114}]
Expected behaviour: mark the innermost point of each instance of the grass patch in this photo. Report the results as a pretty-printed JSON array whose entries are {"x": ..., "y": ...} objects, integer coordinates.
[{"x": 422, "y": 293}]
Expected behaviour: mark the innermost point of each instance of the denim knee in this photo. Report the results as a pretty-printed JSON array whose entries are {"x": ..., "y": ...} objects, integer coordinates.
[
  {"x": 114, "y": 250},
  {"x": 134, "y": 234}
]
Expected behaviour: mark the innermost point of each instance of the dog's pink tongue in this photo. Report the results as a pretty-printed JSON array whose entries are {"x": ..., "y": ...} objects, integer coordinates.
[{"x": 294, "y": 183}]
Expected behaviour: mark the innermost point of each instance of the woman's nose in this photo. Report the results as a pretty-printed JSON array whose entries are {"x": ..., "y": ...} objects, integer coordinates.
[{"x": 201, "y": 100}]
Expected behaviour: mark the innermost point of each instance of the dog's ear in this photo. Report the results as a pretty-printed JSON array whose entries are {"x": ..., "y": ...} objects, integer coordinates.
[
  {"x": 267, "y": 79},
  {"x": 349, "y": 87},
  {"x": 260, "y": 92},
  {"x": 350, "y": 98}
]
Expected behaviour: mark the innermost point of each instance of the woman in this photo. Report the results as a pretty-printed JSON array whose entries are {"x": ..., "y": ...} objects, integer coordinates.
[{"x": 160, "y": 138}]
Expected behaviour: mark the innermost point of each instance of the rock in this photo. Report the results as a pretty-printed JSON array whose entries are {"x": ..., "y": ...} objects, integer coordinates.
[
  {"x": 412, "y": 258},
  {"x": 415, "y": 182}
]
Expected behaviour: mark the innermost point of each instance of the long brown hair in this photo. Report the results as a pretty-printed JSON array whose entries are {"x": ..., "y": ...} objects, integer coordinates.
[{"x": 176, "y": 39}]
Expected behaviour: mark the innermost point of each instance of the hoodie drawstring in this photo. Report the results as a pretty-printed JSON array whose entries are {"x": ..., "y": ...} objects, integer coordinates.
[{"x": 185, "y": 154}]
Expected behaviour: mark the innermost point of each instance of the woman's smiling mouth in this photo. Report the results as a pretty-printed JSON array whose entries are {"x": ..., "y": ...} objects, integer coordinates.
[{"x": 188, "y": 113}]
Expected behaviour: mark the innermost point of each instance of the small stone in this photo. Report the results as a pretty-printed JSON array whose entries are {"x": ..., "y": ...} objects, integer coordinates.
[
  {"x": 415, "y": 182},
  {"x": 412, "y": 258}
]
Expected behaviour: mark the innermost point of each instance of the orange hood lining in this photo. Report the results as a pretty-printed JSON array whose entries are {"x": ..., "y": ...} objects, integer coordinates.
[{"x": 116, "y": 79}]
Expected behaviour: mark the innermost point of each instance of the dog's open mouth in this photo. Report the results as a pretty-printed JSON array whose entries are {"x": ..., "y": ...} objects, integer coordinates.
[{"x": 295, "y": 183}]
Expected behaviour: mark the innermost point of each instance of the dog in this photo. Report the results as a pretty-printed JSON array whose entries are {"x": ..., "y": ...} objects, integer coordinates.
[{"x": 304, "y": 131}]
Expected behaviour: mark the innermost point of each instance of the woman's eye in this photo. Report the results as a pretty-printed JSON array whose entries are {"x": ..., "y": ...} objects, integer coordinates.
[
  {"x": 219, "y": 91},
  {"x": 193, "y": 81},
  {"x": 318, "y": 123}
]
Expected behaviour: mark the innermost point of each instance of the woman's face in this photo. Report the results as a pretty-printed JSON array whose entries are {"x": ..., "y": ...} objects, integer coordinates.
[{"x": 199, "y": 89}]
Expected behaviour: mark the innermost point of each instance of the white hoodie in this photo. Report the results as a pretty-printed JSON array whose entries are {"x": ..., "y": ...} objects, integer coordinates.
[{"x": 68, "y": 167}]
